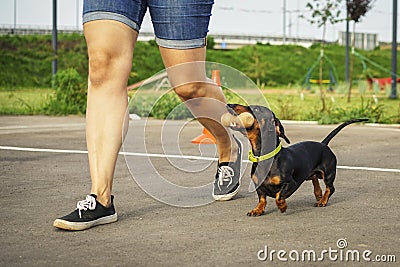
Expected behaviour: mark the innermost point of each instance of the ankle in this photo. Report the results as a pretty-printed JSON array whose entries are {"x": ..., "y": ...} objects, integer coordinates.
[
  {"x": 230, "y": 154},
  {"x": 103, "y": 198}
]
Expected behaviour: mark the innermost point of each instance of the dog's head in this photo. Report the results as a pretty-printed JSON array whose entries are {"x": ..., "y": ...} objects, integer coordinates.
[{"x": 264, "y": 121}]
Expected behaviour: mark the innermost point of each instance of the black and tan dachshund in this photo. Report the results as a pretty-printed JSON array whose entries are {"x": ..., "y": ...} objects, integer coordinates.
[{"x": 278, "y": 172}]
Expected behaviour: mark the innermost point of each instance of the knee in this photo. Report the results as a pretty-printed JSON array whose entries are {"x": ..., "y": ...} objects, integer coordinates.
[
  {"x": 107, "y": 67},
  {"x": 99, "y": 67},
  {"x": 191, "y": 90}
]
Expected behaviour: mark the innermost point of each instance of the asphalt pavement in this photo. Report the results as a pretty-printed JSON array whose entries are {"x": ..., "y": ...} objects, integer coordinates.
[{"x": 44, "y": 172}]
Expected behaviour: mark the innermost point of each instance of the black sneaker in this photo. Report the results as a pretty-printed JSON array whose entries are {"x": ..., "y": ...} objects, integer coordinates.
[
  {"x": 89, "y": 213},
  {"x": 227, "y": 179}
]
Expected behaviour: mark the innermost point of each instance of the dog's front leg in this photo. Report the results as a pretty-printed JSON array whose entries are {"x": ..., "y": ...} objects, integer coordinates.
[
  {"x": 280, "y": 203},
  {"x": 259, "y": 209},
  {"x": 287, "y": 190}
]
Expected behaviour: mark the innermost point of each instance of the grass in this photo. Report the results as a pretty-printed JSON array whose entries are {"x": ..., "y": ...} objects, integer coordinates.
[
  {"x": 308, "y": 107},
  {"x": 25, "y": 61},
  {"x": 287, "y": 104},
  {"x": 294, "y": 106},
  {"x": 23, "y": 101}
]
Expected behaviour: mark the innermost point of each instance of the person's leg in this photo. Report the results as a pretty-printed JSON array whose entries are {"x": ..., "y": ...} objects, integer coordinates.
[
  {"x": 186, "y": 71},
  {"x": 111, "y": 30},
  {"x": 110, "y": 50},
  {"x": 181, "y": 28},
  {"x": 110, "y": 63},
  {"x": 187, "y": 74}
]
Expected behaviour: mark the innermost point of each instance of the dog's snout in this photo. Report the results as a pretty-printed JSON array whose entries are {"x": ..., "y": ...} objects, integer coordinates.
[
  {"x": 231, "y": 107},
  {"x": 237, "y": 109}
]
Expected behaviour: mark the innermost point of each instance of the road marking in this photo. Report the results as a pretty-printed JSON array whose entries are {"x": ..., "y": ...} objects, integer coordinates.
[
  {"x": 18, "y": 127},
  {"x": 48, "y": 150},
  {"x": 368, "y": 169},
  {"x": 72, "y": 151},
  {"x": 152, "y": 155}
]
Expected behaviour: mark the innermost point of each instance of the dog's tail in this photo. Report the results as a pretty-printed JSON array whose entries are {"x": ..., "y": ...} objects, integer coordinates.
[{"x": 339, "y": 128}]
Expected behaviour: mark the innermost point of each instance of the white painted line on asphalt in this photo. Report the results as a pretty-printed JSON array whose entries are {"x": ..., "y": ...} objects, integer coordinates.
[
  {"x": 137, "y": 154},
  {"x": 368, "y": 169},
  {"x": 152, "y": 155},
  {"x": 17, "y": 127},
  {"x": 48, "y": 150}
]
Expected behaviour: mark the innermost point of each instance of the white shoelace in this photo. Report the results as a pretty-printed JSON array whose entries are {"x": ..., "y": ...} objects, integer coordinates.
[
  {"x": 225, "y": 174},
  {"x": 88, "y": 203}
]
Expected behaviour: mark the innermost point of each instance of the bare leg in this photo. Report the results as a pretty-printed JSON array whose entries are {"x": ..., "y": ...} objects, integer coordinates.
[
  {"x": 181, "y": 77},
  {"x": 110, "y": 49}
]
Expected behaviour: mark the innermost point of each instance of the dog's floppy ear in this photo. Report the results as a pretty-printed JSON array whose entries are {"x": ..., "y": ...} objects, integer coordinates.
[{"x": 280, "y": 131}]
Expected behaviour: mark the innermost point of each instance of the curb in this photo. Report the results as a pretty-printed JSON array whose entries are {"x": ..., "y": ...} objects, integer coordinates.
[{"x": 316, "y": 123}]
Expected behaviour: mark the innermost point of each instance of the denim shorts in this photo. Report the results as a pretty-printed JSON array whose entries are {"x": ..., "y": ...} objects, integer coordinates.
[{"x": 178, "y": 24}]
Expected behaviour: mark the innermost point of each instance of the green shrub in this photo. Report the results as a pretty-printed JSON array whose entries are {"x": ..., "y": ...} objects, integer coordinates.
[
  {"x": 70, "y": 94},
  {"x": 170, "y": 106},
  {"x": 287, "y": 110},
  {"x": 159, "y": 107},
  {"x": 370, "y": 110},
  {"x": 141, "y": 104},
  {"x": 232, "y": 97},
  {"x": 210, "y": 42}
]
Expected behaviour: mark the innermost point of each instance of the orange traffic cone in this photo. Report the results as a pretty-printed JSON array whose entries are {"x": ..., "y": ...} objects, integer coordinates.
[
  {"x": 216, "y": 77},
  {"x": 206, "y": 137}
]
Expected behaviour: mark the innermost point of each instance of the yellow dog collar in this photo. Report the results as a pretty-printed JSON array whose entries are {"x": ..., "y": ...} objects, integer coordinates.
[{"x": 271, "y": 154}]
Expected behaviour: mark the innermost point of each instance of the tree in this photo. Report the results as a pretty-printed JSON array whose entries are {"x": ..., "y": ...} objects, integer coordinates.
[
  {"x": 322, "y": 13},
  {"x": 257, "y": 68},
  {"x": 356, "y": 9}
]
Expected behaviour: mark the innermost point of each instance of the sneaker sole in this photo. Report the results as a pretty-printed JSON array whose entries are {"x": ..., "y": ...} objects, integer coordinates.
[
  {"x": 78, "y": 226},
  {"x": 227, "y": 196}
]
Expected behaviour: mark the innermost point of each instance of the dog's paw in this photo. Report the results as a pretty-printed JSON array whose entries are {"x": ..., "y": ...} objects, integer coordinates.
[
  {"x": 320, "y": 204},
  {"x": 283, "y": 208},
  {"x": 255, "y": 212}
]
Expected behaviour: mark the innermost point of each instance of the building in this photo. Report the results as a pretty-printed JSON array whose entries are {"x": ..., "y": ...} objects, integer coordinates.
[{"x": 364, "y": 41}]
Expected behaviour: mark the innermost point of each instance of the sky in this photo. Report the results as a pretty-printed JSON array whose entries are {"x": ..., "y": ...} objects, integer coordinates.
[{"x": 254, "y": 17}]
